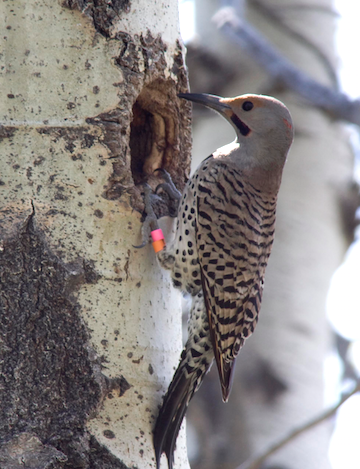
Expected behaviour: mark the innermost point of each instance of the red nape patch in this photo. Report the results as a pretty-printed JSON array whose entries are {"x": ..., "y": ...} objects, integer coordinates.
[{"x": 287, "y": 123}]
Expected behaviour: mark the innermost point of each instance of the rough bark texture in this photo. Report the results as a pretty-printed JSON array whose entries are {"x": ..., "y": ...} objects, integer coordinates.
[
  {"x": 58, "y": 389},
  {"x": 88, "y": 110}
]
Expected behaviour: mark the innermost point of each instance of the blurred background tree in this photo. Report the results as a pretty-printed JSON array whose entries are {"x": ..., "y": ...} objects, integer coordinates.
[{"x": 286, "y": 50}]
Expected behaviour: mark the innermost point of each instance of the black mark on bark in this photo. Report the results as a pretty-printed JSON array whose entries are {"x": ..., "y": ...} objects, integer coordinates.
[
  {"x": 7, "y": 131},
  {"x": 103, "y": 12},
  {"x": 101, "y": 458},
  {"x": 50, "y": 379}
]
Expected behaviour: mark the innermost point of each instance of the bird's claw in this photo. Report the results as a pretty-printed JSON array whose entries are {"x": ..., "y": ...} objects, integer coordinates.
[
  {"x": 150, "y": 223},
  {"x": 168, "y": 186}
]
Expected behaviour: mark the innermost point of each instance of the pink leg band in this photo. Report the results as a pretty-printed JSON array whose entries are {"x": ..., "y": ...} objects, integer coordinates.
[
  {"x": 157, "y": 235},
  {"x": 158, "y": 240}
]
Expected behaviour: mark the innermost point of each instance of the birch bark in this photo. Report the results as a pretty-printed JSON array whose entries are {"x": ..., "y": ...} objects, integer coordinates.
[{"x": 90, "y": 327}]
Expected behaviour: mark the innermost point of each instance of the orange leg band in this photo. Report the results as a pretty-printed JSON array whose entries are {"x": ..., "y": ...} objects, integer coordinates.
[
  {"x": 158, "y": 245},
  {"x": 158, "y": 240}
]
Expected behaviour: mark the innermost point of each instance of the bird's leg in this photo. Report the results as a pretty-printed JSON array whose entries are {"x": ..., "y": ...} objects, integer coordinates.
[
  {"x": 150, "y": 223},
  {"x": 169, "y": 187},
  {"x": 150, "y": 227}
]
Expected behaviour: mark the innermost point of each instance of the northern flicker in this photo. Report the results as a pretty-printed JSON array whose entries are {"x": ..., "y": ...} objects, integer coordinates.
[{"x": 224, "y": 234}]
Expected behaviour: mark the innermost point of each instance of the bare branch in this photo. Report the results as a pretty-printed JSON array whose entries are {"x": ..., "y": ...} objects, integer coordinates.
[
  {"x": 255, "y": 462},
  {"x": 307, "y": 7},
  {"x": 274, "y": 14},
  {"x": 339, "y": 105}
]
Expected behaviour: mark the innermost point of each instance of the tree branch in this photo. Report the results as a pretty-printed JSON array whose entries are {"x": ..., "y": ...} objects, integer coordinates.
[
  {"x": 305, "y": 6},
  {"x": 339, "y": 105},
  {"x": 274, "y": 14},
  {"x": 256, "y": 461}
]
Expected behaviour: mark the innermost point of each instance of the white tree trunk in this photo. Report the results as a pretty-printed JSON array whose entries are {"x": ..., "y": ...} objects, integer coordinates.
[
  {"x": 91, "y": 327},
  {"x": 279, "y": 382}
]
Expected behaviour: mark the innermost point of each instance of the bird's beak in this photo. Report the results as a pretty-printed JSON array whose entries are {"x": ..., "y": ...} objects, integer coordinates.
[{"x": 209, "y": 100}]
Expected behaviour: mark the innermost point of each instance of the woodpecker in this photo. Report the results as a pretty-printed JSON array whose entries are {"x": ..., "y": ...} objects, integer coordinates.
[{"x": 224, "y": 234}]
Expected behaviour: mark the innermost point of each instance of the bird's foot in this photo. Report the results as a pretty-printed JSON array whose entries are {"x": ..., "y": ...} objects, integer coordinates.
[
  {"x": 150, "y": 223},
  {"x": 169, "y": 187}
]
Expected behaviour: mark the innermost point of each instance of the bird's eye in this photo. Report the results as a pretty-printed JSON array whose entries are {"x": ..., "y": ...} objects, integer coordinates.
[{"x": 247, "y": 106}]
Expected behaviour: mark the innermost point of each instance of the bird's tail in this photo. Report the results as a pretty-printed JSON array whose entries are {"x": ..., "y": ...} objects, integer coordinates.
[
  {"x": 196, "y": 359},
  {"x": 185, "y": 383}
]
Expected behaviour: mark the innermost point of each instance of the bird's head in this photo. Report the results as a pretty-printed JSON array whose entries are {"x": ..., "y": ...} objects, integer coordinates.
[{"x": 263, "y": 125}]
